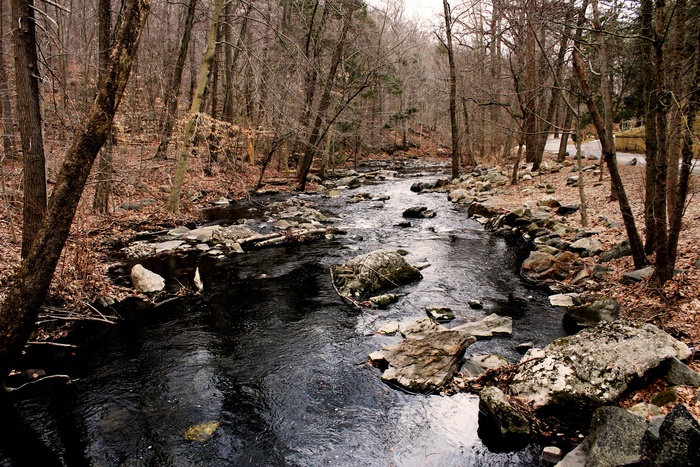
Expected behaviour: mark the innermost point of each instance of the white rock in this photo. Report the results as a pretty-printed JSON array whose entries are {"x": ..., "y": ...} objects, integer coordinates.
[{"x": 146, "y": 281}]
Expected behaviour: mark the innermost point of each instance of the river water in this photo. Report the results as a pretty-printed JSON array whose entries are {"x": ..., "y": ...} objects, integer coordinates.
[{"x": 271, "y": 353}]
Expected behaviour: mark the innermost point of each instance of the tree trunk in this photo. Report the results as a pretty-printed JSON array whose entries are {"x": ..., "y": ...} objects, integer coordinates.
[
  {"x": 651, "y": 146},
  {"x": 29, "y": 111},
  {"x": 676, "y": 218},
  {"x": 608, "y": 152},
  {"x": 103, "y": 190},
  {"x": 675, "y": 138},
  {"x": 31, "y": 282},
  {"x": 324, "y": 103},
  {"x": 8, "y": 129},
  {"x": 565, "y": 135},
  {"x": 605, "y": 89},
  {"x": 207, "y": 61},
  {"x": 170, "y": 100},
  {"x": 662, "y": 105},
  {"x": 453, "y": 90}
]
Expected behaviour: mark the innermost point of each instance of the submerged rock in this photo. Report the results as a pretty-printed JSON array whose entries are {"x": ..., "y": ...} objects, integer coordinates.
[
  {"x": 383, "y": 301},
  {"x": 595, "y": 366},
  {"x": 440, "y": 313},
  {"x": 374, "y": 271},
  {"x": 202, "y": 432}
]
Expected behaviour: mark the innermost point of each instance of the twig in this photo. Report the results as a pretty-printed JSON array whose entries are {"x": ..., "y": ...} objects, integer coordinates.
[
  {"x": 10, "y": 389},
  {"x": 54, "y": 344}
]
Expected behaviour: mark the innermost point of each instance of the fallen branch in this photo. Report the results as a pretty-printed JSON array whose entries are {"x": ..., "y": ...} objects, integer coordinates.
[{"x": 54, "y": 344}]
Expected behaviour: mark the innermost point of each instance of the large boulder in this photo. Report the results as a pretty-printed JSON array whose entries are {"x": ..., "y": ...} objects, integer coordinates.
[
  {"x": 146, "y": 281},
  {"x": 423, "y": 362},
  {"x": 374, "y": 271},
  {"x": 616, "y": 438},
  {"x": 540, "y": 267},
  {"x": 678, "y": 441},
  {"x": 595, "y": 366}
]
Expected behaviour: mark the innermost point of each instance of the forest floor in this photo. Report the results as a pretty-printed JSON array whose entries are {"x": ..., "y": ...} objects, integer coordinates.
[{"x": 142, "y": 185}]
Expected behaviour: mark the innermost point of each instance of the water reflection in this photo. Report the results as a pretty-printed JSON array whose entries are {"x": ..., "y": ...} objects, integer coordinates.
[{"x": 278, "y": 359}]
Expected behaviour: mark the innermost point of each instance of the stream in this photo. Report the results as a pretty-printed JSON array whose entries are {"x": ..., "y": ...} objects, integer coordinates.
[{"x": 278, "y": 359}]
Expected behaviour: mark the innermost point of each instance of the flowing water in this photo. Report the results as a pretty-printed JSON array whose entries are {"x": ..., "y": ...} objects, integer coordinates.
[{"x": 271, "y": 353}]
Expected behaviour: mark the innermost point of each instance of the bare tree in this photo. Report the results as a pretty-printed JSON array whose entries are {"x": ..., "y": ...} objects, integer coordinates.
[
  {"x": 453, "y": 90},
  {"x": 31, "y": 282},
  {"x": 170, "y": 101},
  {"x": 204, "y": 72},
  {"x": 29, "y": 111},
  {"x": 5, "y": 106}
]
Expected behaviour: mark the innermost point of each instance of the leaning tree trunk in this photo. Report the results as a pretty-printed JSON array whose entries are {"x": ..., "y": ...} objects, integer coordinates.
[
  {"x": 31, "y": 282},
  {"x": 167, "y": 119},
  {"x": 609, "y": 157},
  {"x": 207, "y": 61},
  {"x": 29, "y": 112}
]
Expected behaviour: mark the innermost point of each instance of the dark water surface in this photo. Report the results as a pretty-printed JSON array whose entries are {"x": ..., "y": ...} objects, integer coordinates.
[{"x": 279, "y": 360}]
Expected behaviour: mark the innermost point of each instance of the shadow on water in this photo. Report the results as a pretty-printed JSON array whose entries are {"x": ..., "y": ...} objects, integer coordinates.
[{"x": 272, "y": 354}]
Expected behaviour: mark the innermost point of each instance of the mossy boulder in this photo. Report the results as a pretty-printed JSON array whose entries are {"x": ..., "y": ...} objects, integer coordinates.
[{"x": 374, "y": 271}]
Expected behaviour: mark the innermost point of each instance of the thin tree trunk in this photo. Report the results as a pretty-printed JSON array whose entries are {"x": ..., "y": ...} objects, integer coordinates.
[
  {"x": 651, "y": 145},
  {"x": 29, "y": 111},
  {"x": 31, "y": 282},
  {"x": 675, "y": 137},
  {"x": 676, "y": 219},
  {"x": 608, "y": 153},
  {"x": 324, "y": 103},
  {"x": 605, "y": 89},
  {"x": 565, "y": 135},
  {"x": 581, "y": 188},
  {"x": 207, "y": 60},
  {"x": 662, "y": 106},
  {"x": 469, "y": 153},
  {"x": 8, "y": 130},
  {"x": 170, "y": 101},
  {"x": 453, "y": 91},
  {"x": 105, "y": 169}
]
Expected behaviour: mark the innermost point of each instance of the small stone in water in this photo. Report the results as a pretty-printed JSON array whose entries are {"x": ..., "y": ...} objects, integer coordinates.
[{"x": 201, "y": 432}]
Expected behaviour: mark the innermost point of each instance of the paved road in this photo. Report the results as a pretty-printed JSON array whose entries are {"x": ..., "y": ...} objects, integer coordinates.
[{"x": 592, "y": 148}]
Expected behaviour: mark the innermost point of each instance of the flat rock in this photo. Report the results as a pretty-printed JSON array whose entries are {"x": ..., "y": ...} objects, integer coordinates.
[
  {"x": 167, "y": 246},
  {"x": 425, "y": 362},
  {"x": 477, "y": 329},
  {"x": 389, "y": 329},
  {"x": 587, "y": 246},
  {"x": 563, "y": 299},
  {"x": 638, "y": 275},
  {"x": 595, "y": 366},
  {"x": 499, "y": 325},
  {"x": 421, "y": 326},
  {"x": 203, "y": 234}
]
